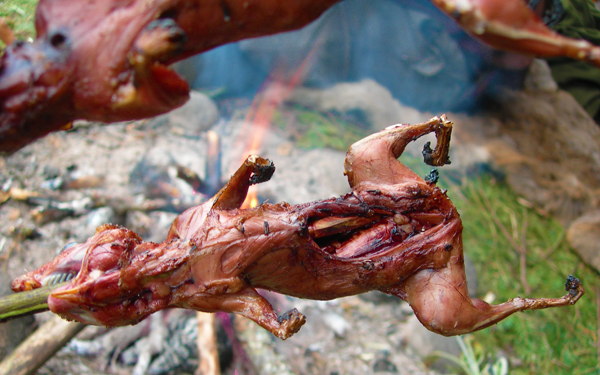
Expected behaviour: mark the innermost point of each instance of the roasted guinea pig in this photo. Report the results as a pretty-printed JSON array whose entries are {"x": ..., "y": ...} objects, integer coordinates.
[
  {"x": 108, "y": 60},
  {"x": 394, "y": 232}
]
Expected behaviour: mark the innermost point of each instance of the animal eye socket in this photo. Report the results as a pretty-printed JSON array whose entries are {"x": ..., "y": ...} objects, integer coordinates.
[
  {"x": 70, "y": 244},
  {"x": 57, "y": 39}
]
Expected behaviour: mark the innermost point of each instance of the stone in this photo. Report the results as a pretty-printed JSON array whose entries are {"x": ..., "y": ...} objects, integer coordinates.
[
  {"x": 584, "y": 237},
  {"x": 539, "y": 77},
  {"x": 426, "y": 343},
  {"x": 194, "y": 117},
  {"x": 380, "y": 107}
]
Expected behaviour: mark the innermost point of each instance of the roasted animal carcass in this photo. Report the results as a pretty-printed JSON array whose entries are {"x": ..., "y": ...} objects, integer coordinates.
[
  {"x": 395, "y": 232},
  {"x": 107, "y": 60},
  {"x": 512, "y": 26}
]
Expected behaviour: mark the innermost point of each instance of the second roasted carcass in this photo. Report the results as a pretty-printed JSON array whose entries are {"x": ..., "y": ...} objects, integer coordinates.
[{"x": 394, "y": 232}]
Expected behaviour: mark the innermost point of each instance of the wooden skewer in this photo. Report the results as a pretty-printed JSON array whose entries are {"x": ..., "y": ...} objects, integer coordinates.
[
  {"x": 26, "y": 303},
  {"x": 207, "y": 345}
]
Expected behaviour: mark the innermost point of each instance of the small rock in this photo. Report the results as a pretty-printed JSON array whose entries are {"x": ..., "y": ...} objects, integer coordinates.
[
  {"x": 97, "y": 217},
  {"x": 383, "y": 364},
  {"x": 194, "y": 117},
  {"x": 539, "y": 77},
  {"x": 584, "y": 236},
  {"x": 336, "y": 322}
]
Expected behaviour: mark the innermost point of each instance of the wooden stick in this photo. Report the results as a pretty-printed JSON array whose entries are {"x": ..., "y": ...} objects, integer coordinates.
[
  {"x": 39, "y": 347},
  {"x": 26, "y": 303},
  {"x": 207, "y": 345}
]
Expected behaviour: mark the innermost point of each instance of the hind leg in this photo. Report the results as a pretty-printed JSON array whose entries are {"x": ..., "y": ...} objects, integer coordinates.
[
  {"x": 250, "y": 304},
  {"x": 441, "y": 302},
  {"x": 374, "y": 158}
]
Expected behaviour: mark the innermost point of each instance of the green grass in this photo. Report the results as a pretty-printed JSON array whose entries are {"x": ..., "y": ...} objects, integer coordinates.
[
  {"x": 552, "y": 341},
  {"x": 313, "y": 129},
  {"x": 19, "y": 15}
]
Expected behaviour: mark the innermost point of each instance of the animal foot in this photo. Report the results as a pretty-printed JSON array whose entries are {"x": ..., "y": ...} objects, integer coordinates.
[
  {"x": 160, "y": 40},
  {"x": 290, "y": 323},
  {"x": 575, "y": 289}
]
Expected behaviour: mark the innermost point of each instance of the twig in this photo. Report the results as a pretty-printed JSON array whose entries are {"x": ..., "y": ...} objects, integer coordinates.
[
  {"x": 25, "y": 303},
  {"x": 43, "y": 343},
  {"x": 523, "y": 255}
]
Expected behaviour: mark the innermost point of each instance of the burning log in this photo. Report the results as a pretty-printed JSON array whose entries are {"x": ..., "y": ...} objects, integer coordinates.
[
  {"x": 395, "y": 232},
  {"x": 107, "y": 60}
]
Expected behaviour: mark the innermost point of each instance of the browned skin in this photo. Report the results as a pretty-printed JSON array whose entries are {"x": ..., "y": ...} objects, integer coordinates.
[
  {"x": 394, "y": 232},
  {"x": 107, "y": 60},
  {"x": 512, "y": 26}
]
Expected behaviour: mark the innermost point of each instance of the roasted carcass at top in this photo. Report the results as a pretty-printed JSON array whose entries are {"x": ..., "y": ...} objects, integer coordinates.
[
  {"x": 107, "y": 60},
  {"x": 395, "y": 232}
]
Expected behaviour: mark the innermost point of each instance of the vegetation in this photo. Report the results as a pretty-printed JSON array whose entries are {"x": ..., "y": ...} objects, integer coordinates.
[
  {"x": 313, "y": 129},
  {"x": 518, "y": 252},
  {"x": 473, "y": 360},
  {"x": 19, "y": 17}
]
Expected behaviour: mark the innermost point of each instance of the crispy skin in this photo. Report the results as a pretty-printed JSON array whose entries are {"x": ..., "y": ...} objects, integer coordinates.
[
  {"x": 107, "y": 60},
  {"x": 512, "y": 26},
  {"x": 394, "y": 232}
]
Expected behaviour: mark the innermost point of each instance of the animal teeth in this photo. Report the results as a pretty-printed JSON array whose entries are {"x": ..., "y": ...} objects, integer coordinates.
[
  {"x": 57, "y": 278},
  {"x": 48, "y": 280}
]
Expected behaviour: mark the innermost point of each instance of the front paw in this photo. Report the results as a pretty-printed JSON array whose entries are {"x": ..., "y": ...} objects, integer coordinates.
[
  {"x": 290, "y": 323},
  {"x": 159, "y": 41}
]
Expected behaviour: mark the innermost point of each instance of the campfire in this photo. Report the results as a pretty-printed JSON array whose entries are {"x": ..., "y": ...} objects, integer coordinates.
[{"x": 142, "y": 174}]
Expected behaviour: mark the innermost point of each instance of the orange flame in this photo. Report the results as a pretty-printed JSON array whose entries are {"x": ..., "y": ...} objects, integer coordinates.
[{"x": 270, "y": 97}]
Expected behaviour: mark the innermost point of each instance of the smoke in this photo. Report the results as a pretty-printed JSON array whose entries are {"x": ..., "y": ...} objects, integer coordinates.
[{"x": 409, "y": 47}]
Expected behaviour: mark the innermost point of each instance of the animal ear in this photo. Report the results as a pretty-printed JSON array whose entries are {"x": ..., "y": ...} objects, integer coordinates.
[
  {"x": 254, "y": 170},
  {"x": 105, "y": 227},
  {"x": 375, "y": 158}
]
